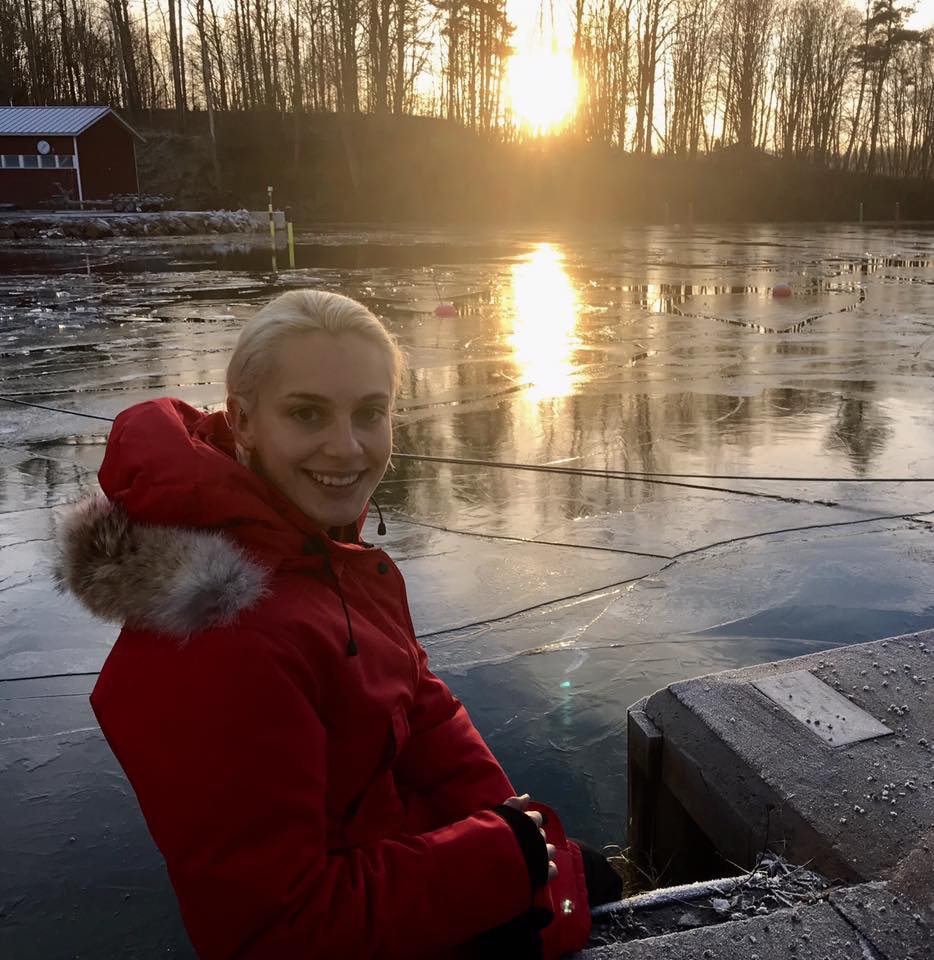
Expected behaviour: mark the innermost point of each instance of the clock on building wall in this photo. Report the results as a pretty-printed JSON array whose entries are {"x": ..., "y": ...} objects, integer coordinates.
[{"x": 44, "y": 147}]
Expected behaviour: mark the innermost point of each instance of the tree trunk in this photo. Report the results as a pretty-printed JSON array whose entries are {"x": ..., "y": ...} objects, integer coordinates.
[
  {"x": 399, "y": 96},
  {"x": 176, "y": 66},
  {"x": 453, "y": 59},
  {"x": 181, "y": 56},
  {"x": 297, "y": 95}
]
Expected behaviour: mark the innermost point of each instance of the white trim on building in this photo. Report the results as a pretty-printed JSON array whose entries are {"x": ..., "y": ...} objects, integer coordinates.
[{"x": 74, "y": 141}]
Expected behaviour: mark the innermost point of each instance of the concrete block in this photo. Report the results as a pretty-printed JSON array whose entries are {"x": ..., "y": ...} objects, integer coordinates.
[
  {"x": 813, "y": 933},
  {"x": 752, "y": 775},
  {"x": 893, "y": 924}
]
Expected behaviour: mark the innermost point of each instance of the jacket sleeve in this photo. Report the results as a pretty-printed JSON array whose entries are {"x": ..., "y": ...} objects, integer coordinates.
[
  {"x": 445, "y": 760},
  {"x": 228, "y": 760},
  {"x": 448, "y": 763}
]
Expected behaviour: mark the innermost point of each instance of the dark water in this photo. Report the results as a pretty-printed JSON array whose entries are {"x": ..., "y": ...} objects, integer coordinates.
[{"x": 549, "y": 601}]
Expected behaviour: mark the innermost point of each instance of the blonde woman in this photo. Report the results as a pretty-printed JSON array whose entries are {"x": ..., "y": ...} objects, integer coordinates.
[{"x": 315, "y": 790}]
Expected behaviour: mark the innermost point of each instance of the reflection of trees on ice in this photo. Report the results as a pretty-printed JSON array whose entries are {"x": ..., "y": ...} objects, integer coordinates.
[{"x": 860, "y": 430}]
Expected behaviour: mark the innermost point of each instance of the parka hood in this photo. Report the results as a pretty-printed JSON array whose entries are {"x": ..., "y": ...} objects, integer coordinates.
[
  {"x": 164, "y": 578},
  {"x": 170, "y": 464},
  {"x": 185, "y": 537}
]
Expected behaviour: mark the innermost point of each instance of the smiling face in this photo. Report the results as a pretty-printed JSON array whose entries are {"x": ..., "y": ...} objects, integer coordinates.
[{"x": 319, "y": 427}]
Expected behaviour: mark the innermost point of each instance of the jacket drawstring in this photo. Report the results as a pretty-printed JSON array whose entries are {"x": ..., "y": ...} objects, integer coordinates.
[
  {"x": 315, "y": 546},
  {"x": 351, "y": 642},
  {"x": 318, "y": 547},
  {"x": 381, "y": 529}
]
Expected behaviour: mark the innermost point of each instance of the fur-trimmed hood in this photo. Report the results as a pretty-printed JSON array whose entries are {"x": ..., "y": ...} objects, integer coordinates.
[{"x": 163, "y": 578}]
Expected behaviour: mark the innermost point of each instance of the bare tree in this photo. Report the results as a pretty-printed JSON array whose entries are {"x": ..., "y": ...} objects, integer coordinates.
[
  {"x": 692, "y": 67},
  {"x": 744, "y": 47},
  {"x": 814, "y": 79}
]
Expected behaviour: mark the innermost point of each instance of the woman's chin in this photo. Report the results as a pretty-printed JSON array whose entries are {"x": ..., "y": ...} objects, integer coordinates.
[{"x": 328, "y": 515}]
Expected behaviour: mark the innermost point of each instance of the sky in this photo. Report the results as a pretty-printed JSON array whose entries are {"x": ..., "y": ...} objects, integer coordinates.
[
  {"x": 527, "y": 16},
  {"x": 924, "y": 15}
]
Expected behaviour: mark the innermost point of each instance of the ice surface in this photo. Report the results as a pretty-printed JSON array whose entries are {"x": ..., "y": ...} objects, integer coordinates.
[{"x": 647, "y": 350}]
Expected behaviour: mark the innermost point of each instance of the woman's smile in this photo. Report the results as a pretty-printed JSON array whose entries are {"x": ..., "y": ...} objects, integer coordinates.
[{"x": 335, "y": 479}]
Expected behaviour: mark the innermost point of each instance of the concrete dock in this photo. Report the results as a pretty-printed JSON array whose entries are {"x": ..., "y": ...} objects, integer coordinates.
[
  {"x": 826, "y": 759},
  {"x": 867, "y": 922}
]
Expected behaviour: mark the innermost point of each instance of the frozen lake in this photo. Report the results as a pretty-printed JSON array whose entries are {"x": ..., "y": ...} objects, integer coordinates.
[{"x": 549, "y": 600}]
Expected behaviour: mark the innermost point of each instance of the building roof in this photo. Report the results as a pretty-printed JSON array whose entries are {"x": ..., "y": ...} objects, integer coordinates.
[{"x": 54, "y": 121}]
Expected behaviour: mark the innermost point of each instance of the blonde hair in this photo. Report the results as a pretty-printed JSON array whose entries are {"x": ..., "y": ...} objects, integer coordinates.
[{"x": 303, "y": 311}]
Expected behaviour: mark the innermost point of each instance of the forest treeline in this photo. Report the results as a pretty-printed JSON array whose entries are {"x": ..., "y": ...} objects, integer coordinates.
[{"x": 821, "y": 81}]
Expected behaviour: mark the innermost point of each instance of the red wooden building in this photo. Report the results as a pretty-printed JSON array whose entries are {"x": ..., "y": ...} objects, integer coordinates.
[{"x": 90, "y": 151}]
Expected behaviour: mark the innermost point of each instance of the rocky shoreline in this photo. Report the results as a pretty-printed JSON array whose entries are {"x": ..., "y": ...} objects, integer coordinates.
[{"x": 102, "y": 226}]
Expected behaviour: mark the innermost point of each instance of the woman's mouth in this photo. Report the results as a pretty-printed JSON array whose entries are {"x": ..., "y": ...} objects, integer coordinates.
[{"x": 335, "y": 480}]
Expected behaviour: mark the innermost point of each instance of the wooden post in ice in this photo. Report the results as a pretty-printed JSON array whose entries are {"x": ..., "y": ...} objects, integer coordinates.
[
  {"x": 272, "y": 230},
  {"x": 291, "y": 235},
  {"x": 898, "y": 213},
  {"x": 860, "y": 211}
]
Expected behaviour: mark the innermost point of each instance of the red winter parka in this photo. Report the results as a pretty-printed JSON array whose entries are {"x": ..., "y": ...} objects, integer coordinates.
[{"x": 315, "y": 790}]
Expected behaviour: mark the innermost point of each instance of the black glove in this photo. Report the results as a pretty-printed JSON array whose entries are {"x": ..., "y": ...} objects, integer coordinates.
[
  {"x": 531, "y": 842},
  {"x": 520, "y": 938},
  {"x": 604, "y": 884}
]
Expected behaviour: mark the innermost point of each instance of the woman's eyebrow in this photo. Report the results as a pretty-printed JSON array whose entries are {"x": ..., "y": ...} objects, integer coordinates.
[
  {"x": 319, "y": 398},
  {"x": 299, "y": 395}
]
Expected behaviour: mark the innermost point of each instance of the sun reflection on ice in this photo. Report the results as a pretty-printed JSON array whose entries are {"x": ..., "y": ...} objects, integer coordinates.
[
  {"x": 654, "y": 298},
  {"x": 545, "y": 307}
]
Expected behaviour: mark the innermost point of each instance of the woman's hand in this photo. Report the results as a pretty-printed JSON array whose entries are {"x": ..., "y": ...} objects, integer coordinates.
[{"x": 522, "y": 805}]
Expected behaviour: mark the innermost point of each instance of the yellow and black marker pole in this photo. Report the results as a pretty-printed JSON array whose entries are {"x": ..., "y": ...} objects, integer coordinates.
[
  {"x": 272, "y": 231},
  {"x": 291, "y": 236}
]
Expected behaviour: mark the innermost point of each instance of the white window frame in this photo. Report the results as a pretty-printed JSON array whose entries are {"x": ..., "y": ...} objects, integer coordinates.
[{"x": 20, "y": 165}]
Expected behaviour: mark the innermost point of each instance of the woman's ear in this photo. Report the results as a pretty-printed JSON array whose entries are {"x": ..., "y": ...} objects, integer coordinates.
[{"x": 241, "y": 423}]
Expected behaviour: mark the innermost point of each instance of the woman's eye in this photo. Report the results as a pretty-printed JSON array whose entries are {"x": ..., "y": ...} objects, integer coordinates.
[
  {"x": 372, "y": 414},
  {"x": 306, "y": 414}
]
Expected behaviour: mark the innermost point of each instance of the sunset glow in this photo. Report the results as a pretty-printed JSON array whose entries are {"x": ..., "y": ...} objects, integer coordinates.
[
  {"x": 542, "y": 85},
  {"x": 543, "y": 90}
]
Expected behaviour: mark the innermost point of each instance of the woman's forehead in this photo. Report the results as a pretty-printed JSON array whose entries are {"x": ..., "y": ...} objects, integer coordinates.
[{"x": 331, "y": 366}]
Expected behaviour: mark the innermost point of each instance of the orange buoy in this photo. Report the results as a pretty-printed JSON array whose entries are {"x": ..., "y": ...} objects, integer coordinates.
[
  {"x": 446, "y": 310},
  {"x": 781, "y": 290}
]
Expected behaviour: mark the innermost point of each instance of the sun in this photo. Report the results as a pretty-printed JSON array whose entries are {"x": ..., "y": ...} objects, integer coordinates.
[{"x": 542, "y": 89}]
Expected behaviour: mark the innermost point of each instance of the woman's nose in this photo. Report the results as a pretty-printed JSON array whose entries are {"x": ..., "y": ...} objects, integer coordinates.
[{"x": 341, "y": 439}]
